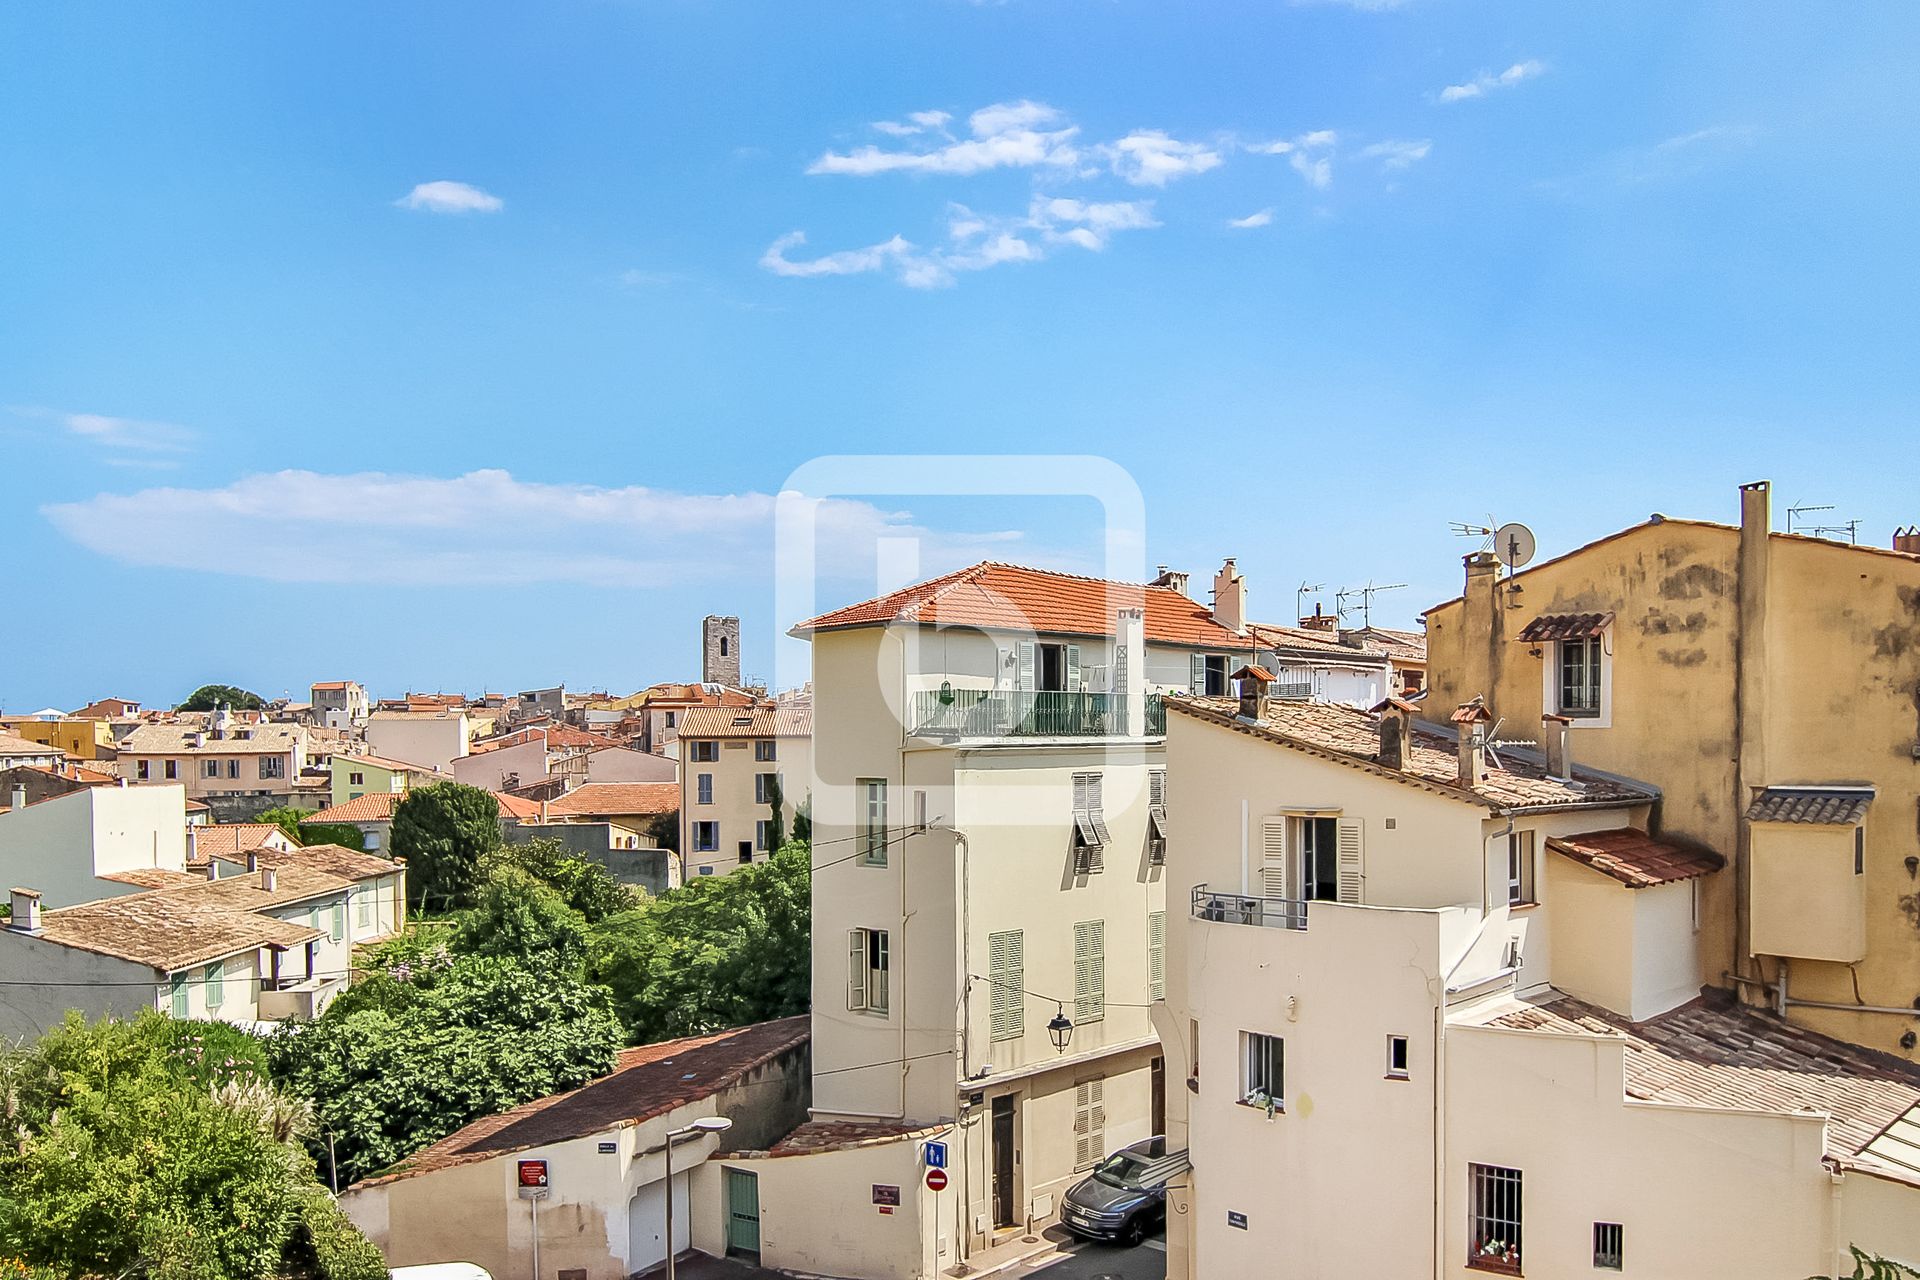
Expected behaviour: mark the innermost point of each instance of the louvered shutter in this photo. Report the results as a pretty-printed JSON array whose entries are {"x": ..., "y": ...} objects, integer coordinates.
[
  {"x": 1157, "y": 956},
  {"x": 1096, "y": 807},
  {"x": 1353, "y": 860},
  {"x": 1089, "y": 1122},
  {"x": 1026, "y": 666},
  {"x": 1157, "y": 787},
  {"x": 1006, "y": 965},
  {"x": 1073, "y": 668},
  {"x": 1090, "y": 971},
  {"x": 1199, "y": 673},
  {"x": 1273, "y": 857},
  {"x": 1080, "y": 793},
  {"x": 857, "y": 969}
]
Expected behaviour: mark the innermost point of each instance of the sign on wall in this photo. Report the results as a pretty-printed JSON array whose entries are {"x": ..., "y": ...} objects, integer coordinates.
[{"x": 533, "y": 1179}]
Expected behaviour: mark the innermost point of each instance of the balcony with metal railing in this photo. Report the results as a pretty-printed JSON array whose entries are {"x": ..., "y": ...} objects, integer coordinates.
[
  {"x": 1012, "y": 713},
  {"x": 1235, "y": 908}
]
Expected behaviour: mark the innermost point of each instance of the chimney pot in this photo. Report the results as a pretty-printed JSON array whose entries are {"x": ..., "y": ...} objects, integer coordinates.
[
  {"x": 1396, "y": 733},
  {"x": 1907, "y": 539},
  {"x": 1556, "y": 736},
  {"x": 268, "y": 880},
  {"x": 1471, "y": 721},
  {"x": 26, "y": 911},
  {"x": 18, "y": 799},
  {"x": 213, "y": 868}
]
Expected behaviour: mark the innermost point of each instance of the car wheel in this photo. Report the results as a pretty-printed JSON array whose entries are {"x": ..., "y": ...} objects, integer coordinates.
[{"x": 1134, "y": 1232}]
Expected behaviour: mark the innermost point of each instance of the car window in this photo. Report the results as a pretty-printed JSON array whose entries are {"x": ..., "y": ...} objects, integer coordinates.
[{"x": 1122, "y": 1169}]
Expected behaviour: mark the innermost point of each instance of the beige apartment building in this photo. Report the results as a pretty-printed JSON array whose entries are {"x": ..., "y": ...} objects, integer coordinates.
[
  {"x": 734, "y": 763},
  {"x": 1766, "y": 682},
  {"x": 225, "y": 757},
  {"x": 1437, "y": 1007},
  {"x": 987, "y": 810}
]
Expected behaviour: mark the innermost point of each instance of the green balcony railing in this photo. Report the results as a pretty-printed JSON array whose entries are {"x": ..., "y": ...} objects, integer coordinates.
[{"x": 1000, "y": 713}]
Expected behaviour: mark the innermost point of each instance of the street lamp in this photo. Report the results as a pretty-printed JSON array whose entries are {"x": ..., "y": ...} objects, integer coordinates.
[
  {"x": 705, "y": 1124},
  {"x": 1060, "y": 1029}
]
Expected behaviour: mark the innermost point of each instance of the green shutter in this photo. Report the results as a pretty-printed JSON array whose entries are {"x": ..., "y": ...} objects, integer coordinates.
[
  {"x": 1006, "y": 970},
  {"x": 1089, "y": 970},
  {"x": 1157, "y": 956},
  {"x": 177, "y": 989},
  {"x": 216, "y": 984}
]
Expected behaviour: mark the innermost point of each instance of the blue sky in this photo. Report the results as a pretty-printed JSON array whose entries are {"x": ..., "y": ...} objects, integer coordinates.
[{"x": 275, "y": 407}]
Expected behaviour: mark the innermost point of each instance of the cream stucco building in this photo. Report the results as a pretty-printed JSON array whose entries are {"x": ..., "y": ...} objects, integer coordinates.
[
  {"x": 1437, "y": 1009},
  {"x": 734, "y": 762}
]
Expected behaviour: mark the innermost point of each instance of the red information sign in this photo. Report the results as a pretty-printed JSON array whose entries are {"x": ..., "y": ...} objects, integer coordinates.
[
  {"x": 936, "y": 1179},
  {"x": 533, "y": 1173}
]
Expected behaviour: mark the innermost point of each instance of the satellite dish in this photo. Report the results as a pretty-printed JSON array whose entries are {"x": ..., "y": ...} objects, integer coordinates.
[{"x": 1514, "y": 545}]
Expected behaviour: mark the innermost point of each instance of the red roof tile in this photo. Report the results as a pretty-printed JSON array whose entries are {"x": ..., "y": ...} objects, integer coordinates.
[
  {"x": 1565, "y": 626},
  {"x": 1635, "y": 858},
  {"x": 1010, "y": 597},
  {"x": 611, "y": 799},
  {"x": 760, "y": 722}
]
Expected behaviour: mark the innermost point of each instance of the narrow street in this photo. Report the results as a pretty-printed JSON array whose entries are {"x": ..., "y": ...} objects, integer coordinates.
[{"x": 1107, "y": 1262}]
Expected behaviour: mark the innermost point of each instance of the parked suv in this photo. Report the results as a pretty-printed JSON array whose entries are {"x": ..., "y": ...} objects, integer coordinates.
[{"x": 1125, "y": 1197}]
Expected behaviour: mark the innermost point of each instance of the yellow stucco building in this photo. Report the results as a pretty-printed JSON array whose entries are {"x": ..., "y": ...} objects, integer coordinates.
[
  {"x": 1769, "y": 684},
  {"x": 80, "y": 739}
]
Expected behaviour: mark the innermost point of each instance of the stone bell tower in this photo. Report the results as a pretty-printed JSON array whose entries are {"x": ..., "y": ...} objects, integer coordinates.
[{"x": 720, "y": 651}]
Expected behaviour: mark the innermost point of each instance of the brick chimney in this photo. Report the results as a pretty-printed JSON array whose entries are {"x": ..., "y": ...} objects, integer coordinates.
[
  {"x": 1396, "y": 732},
  {"x": 1318, "y": 621},
  {"x": 26, "y": 911},
  {"x": 1172, "y": 579},
  {"x": 1255, "y": 683},
  {"x": 1230, "y": 598},
  {"x": 1556, "y": 736},
  {"x": 1472, "y": 720},
  {"x": 1907, "y": 539}
]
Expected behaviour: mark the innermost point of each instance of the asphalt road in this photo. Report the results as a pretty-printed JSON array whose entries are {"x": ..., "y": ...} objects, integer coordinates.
[{"x": 1108, "y": 1262}]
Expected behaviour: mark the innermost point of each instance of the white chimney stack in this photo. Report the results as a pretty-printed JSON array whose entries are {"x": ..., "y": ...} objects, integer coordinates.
[
  {"x": 26, "y": 911},
  {"x": 1471, "y": 720},
  {"x": 18, "y": 800},
  {"x": 268, "y": 880},
  {"x": 1556, "y": 735}
]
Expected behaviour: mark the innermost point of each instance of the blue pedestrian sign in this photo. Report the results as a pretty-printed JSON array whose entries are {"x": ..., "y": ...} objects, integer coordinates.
[{"x": 935, "y": 1154}]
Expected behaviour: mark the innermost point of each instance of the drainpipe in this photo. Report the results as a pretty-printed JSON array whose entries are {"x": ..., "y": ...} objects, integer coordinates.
[
  {"x": 1783, "y": 1002},
  {"x": 1439, "y": 1138}
]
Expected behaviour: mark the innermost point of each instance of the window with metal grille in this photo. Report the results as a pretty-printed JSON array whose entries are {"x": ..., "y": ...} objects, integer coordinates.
[
  {"x": 1609, "y": 1240},
  {"x": 1089, "y": 970},
  {"x": 1089, "y": 824},
  {"x": 1157, "y": 955},
  {"x": 1089, "y": 1122},
  {"x": 1580, "y": 677},
  {"x": 1006, "y": 971},
  {"x": 1263, "y": 1071},
  {"x": 872, "y": 835},
  {"x": 1493, "y": 1228}
]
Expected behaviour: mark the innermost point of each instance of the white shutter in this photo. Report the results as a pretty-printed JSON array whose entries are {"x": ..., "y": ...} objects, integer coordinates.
[
  {"x": 1003, "y": 660},
  {"x": 1073, "y": 668},
  {"x": 857, "y": 969},
  {"x": 1089, "y": 1122},
  {"x": 1157, "y": 956},
  {"x": 1080, "y": 793},
  {"x": 1090, "y": 971},
  {"x": 1157, "y": 786},
  {"x": 1006, "y": 966},
  {"x": 1353, "y": 859},
  {"x": 1026, "y": 666},
  {"x": 1273, "y": 858},
  {"x": 1199, "y": 673}
]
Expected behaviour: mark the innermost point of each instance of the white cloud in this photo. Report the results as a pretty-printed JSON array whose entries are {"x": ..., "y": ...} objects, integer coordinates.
[
  {"x": 1487, "y": 81},
  {"x": 1007, "y": 135},
  {"x": 1397, "y": 153},
  {"x": 485, "y": 528},
  {"x": 916, "y": 123},
  {"x": 1150, "y": 158},
  {"x": 974, "y": 242},
  {"x": 121, "y": 442},
  {"x": 1310, "y": 154},
  {"x": 1316, "y": 170},
  {"x": 450, "y": 197},
  {"x": 1260, "y": 219}
]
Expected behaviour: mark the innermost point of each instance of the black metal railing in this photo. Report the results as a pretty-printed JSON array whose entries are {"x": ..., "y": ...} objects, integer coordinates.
[
  {"x": 1235, "y": 908},
  {"x": 1004, "y": 713}
]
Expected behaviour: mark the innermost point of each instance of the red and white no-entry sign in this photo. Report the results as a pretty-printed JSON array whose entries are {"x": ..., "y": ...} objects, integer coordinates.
[{"x": 936, "y": 1179}]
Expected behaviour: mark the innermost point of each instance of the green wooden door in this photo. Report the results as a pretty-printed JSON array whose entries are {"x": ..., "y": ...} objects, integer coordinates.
[{"x": 743, "y": 1213}]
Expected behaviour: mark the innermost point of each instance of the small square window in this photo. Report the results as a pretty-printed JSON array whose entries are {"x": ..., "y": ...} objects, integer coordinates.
[
  {"x": 1397, "y": 1057},
  {"x": 1609, "y": 1241}
]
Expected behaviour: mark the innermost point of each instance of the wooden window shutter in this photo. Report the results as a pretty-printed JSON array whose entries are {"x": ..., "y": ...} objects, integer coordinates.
[
  {"x": 1090, "y": 971},
  {"x": 857, "y": 969},
  {"x": 1026, "y": 666},
  {"x": 1089, "y": 1122},
  {"x": 1353, "y": 859},
  {"x": 1073, "y": 668},
  {"x": 1006, "y": 966},
  {"x": 1199, "y": 673},
  {"x": 1157, "y": 787},
  {"x": 1273, "y": 857},
  {"x": 1080, "y": 790},
  {"x": 1157, "y": 956}
]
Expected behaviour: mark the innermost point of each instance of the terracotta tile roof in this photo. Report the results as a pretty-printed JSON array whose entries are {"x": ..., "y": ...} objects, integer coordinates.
[
  {"x": 1011, "y": 597},
  {"x": 838, "y": 1135},
  {"x": 645, "y": 1082},
  {"x": 386, "y": 762},
  {"x": 331, "y": 684},
  {"x": 1565, "y": 626},
  {"x": 177, "y": 740},
  {"x": 1401, "y": 646},
  {"x": 434, "y": 711},
  {"x": 1316, "y": 644},
  {"x": 178, "y": 927},
  {"x": 230, "y": 839},
  {"x": 519, "y": 808},
  {"x": 1635, "y": 858},
  {"x": 155, "y": 877},
  {"x": 1835, "y": 806},
  {"x": 1719, "y": 1055},
  {"x": 333, "y": 859},
  {"x": 559, "y": 737},
  {"x": 1352, "y": 737},
  {"x": 761, "y": 722},
  {"x": 13, "y": 745},
  {"x": 378, "y": 806},
  {"x": 611, "y": 799},
  {"x": 715, "y": 695},
  {"x": 105, "y": 709}
]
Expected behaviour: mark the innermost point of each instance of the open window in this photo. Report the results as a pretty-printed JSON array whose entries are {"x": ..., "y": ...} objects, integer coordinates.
[
  {"x": 1090, "y": 836},
  {"x": 1577, "y": 664},
  {"x": 868, "y": 963}
]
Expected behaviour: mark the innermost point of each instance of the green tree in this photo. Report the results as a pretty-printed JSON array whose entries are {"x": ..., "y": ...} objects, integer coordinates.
[
  {"x": 518, "y": 918},
  {"x": 209, "y": 696},
  {"x": 158, "y": 1148},
  {"x": 586, "y": 886},
  {"x": 288, "y": 819},
  {"x": 777, "y": 821},
  {"x": 393, "y": 1074},
  {"x": 344, "y": 834},
  {"x": 442, "y": 832},
  {"x": 719, "y": 952},
  {"x": 803, "y": 822}
]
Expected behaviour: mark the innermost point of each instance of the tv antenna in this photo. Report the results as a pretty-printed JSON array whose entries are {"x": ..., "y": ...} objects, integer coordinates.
[
  {"x": 1300, "y": 595},
  {"x": 1794, "y": 514},
  {"x": 1366, "y": 594},
  {"x": 1463, "y": 529}
]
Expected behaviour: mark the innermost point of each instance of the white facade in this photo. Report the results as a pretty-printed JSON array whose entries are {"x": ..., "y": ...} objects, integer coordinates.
[
  {"x": 62, "y": 845},
  {"x": 434, "y": 739}
]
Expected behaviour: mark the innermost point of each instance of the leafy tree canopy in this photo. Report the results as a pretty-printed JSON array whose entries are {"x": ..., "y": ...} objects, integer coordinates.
[
  {"x": 209, "y": 696},
  {"x": 587, "y": 887},
  {"x": 718, "y": 952},
  {"x": 518, "y": 918},
  {"x": 157, "y": 1147},
  {"x": 442, "y": 832},
  {"x": 288, "y": 819}
]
